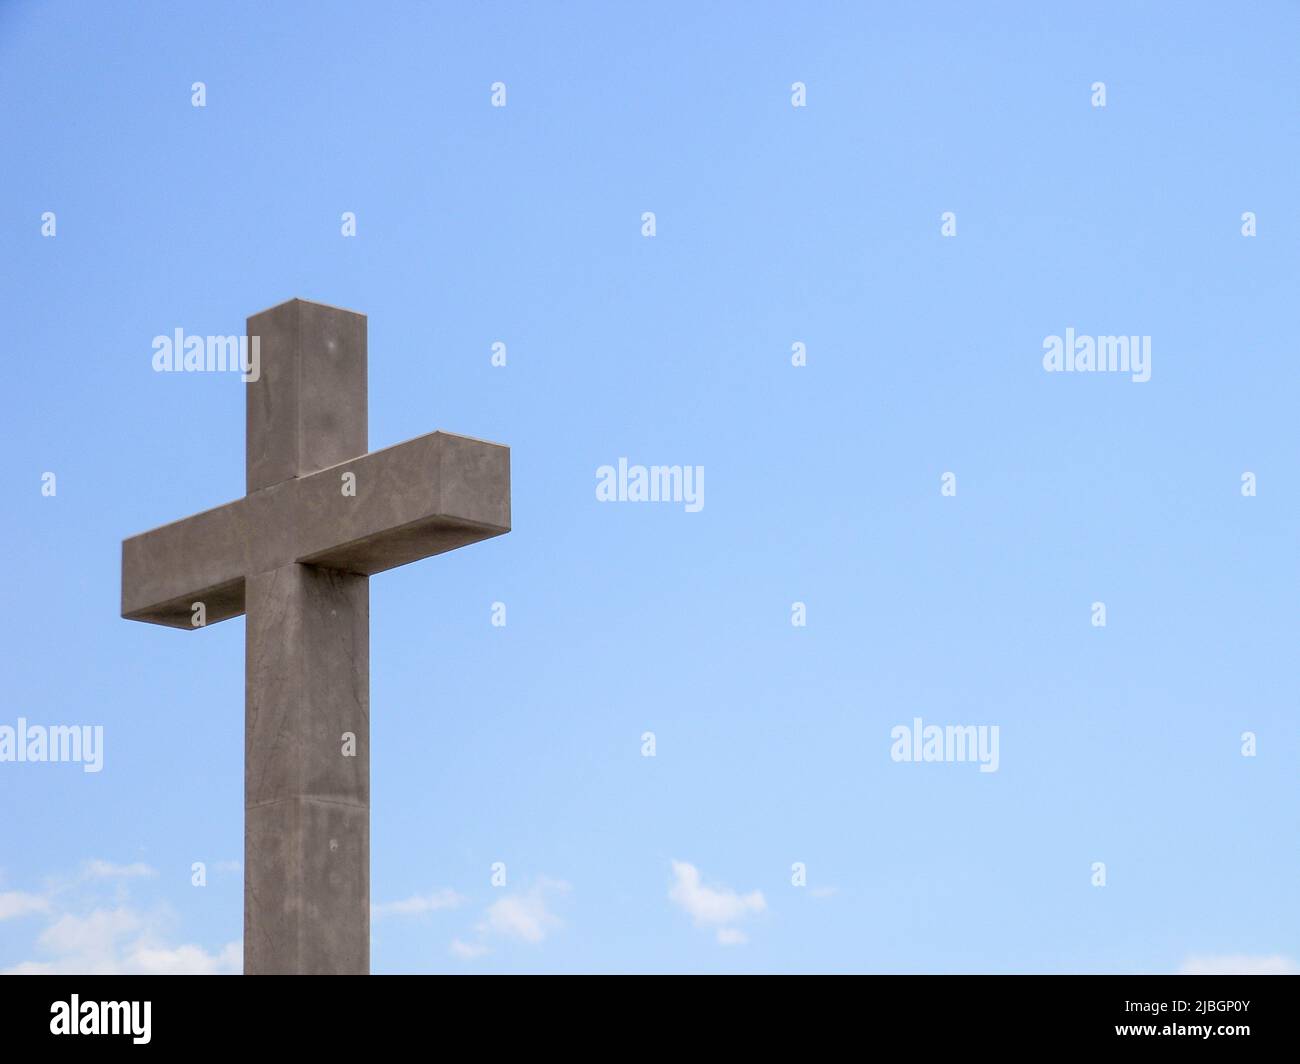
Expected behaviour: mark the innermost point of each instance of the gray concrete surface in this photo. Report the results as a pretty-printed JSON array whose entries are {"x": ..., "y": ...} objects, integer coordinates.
[{"x": 295, "y": 555}]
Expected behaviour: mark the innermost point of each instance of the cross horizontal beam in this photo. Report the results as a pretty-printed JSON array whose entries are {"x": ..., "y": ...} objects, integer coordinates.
[{"x": 423, "y": 497}]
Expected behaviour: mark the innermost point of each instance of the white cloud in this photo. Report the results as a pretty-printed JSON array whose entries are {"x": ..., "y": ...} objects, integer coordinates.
[
  {"x": 524, "y": 916},
  {"x": 15, "y": 903},
  {"x": 97, "y": 937},
  {"x": 714, "y": 905},
  {"x": 92, "y": 936},
  {"x": 468, "y": 950},
  {"x": 120, "y": 941},
  {"x": 414, "y": 906},
  {"x": 1240, "y": 964},
  {"x": 188, "y": 960},
  {"x": 97, "y": 869}
]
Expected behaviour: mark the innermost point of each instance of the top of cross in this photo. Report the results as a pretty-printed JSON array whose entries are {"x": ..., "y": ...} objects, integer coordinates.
[{"x": 314, "y": 493}]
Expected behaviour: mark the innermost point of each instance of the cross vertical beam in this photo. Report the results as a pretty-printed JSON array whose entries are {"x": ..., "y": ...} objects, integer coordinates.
[
  {"x": 306, "y": 806},
  {"x": 306, "y": 667}
]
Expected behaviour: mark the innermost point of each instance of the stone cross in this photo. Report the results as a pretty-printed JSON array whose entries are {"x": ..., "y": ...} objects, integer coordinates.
[{"x": 295, "y": 555}]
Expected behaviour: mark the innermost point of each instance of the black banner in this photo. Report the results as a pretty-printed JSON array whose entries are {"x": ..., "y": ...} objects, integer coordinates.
[{"x": 1218, "y": 1014}]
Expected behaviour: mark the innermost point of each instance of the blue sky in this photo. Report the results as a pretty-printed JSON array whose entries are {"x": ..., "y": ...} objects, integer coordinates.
[{"x": 775, "y": 224}]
